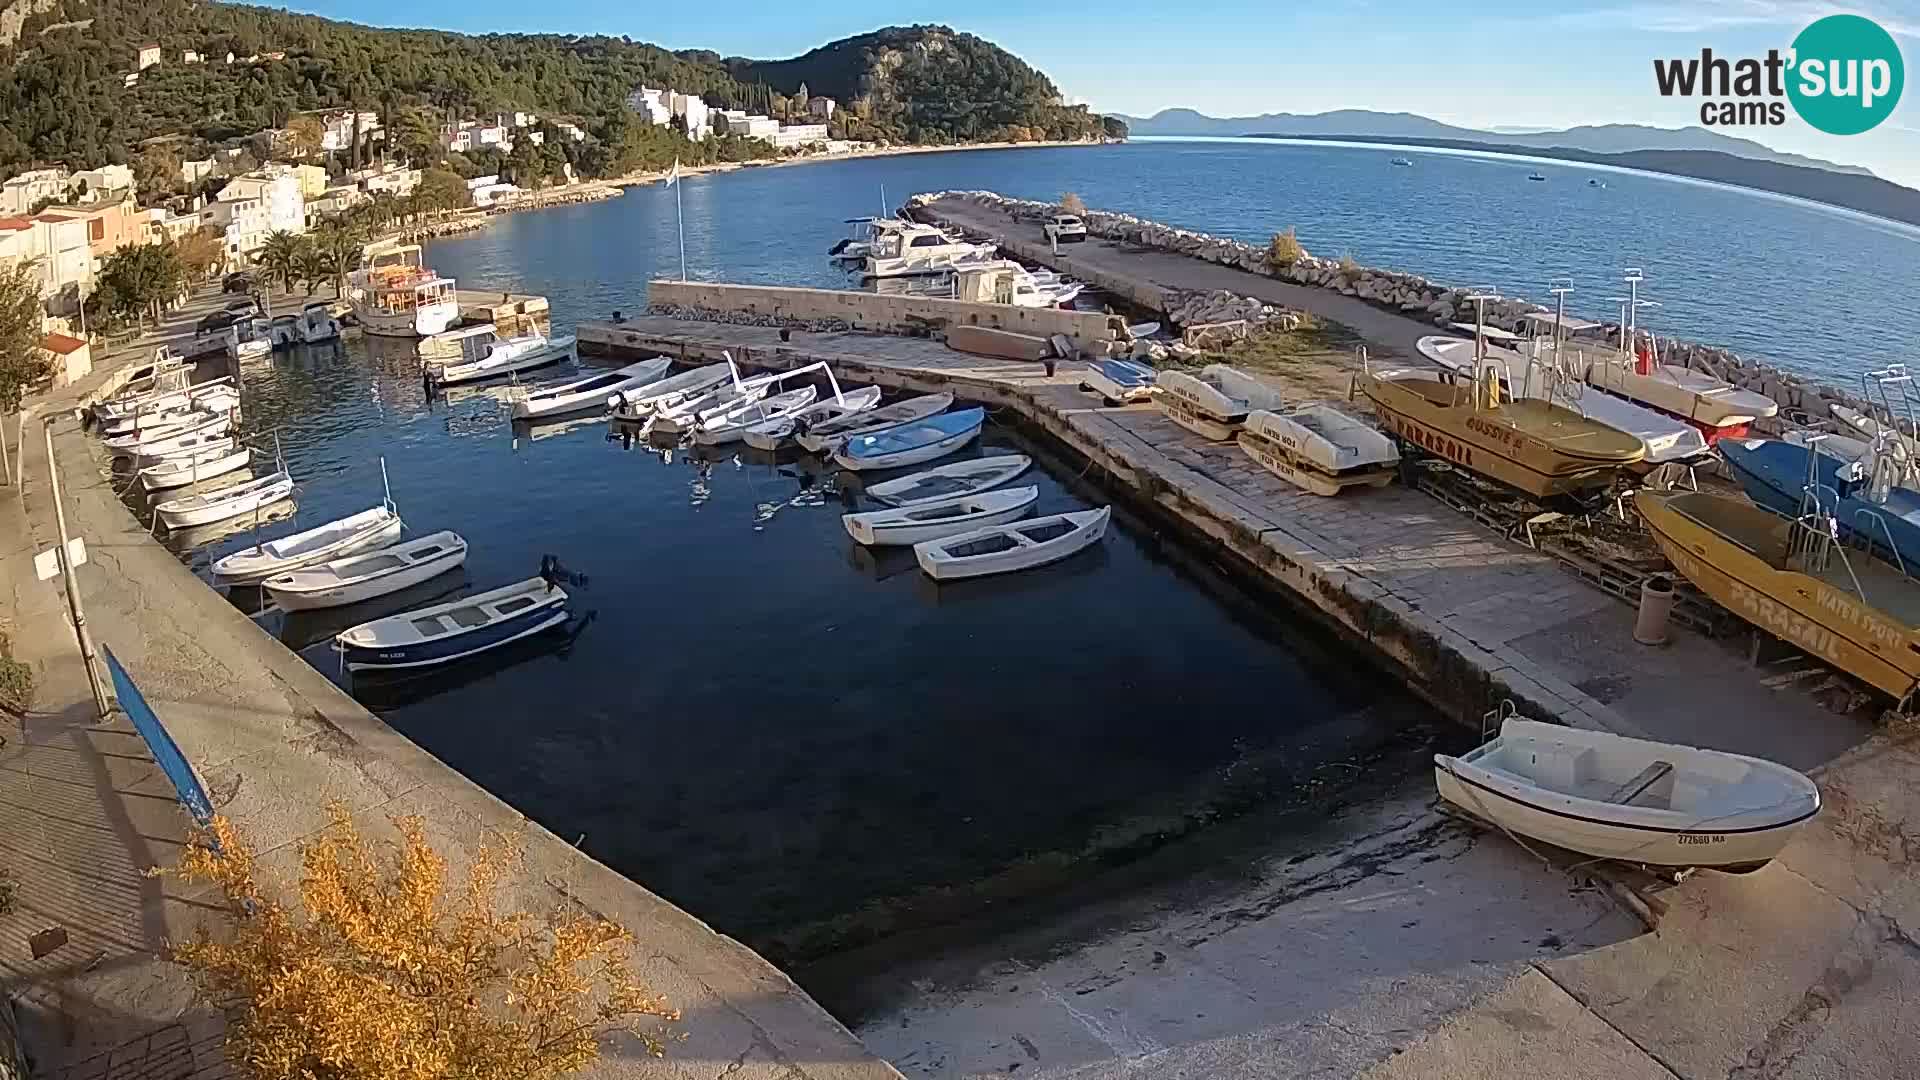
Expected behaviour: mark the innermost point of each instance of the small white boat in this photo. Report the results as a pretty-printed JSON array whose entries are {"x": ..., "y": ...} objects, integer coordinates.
[
  {"x": 1634, "y": 800},
  {"x": 590, "y": 392},
  {"x": 932, "y": 520},
  {"x": 1215, "y": 402},
  {"x": 1118, "y": 381},
  {"x": 505, "y": 358},
  {"x": 1001, "y": 549},
  {"x": 456, "y": 629},
  {"x": 225, "y": 503},
  {"x": 773, "y": 434},
  {"x": 284, "y": 332},
  {"x": 213, "y": 396},
  {"x": 950, "y": 481},
  {"x": 1871, "y": 428},
  {"x": 316, "y": 325},
  {"x": 691, "y": 413},
  {"x": 351, "y": 580},
  {"x": 731, "y": 425},
  {"x": 911, "y": 444},
  {"x": 829, "y": 434},
  {"x": 638, "y": 404},
  {"x": 370, "y": 528},
  {"x": 188, "y": 446},
  {"x": 144, "y": 445},
  {"x": 1319, "y": 448},
  {"x": 192, "y": 468}
]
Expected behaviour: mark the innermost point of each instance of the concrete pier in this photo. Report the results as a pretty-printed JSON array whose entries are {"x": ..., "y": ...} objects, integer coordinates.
[{"x": 512, "y": 313}]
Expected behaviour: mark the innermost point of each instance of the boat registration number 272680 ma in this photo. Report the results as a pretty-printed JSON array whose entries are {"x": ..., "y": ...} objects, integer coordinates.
[{"x": 1700, "y": 838}]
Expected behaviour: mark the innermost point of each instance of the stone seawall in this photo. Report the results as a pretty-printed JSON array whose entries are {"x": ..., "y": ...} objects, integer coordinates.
[{"x": 1406, "y": 294}]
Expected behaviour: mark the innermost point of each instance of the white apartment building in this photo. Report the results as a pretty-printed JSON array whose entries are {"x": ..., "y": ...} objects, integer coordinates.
[
  {"x": 696, "y": 114},
  {"x": 62, "y": 254},
  {"x": 164, "y": 224},
  {"x": 793, "y": 136},
  {"x": 149, "y": 55},
  {"x": 655, "y": 106},
  {"x": 751, "y": 125},
  {"x": 390, "y": 178},
  {"x": 192, "y": 172},
  {"x": 100, "y": 181},
  {"x": 254, "y": 206},
  {"x": 19, "y": 193},
  {"x": 337, "y": 128},
  {"x": 498, "y": 135},
  {"x": 571, "y": 131},
  {"x": 525, "y": 119}
]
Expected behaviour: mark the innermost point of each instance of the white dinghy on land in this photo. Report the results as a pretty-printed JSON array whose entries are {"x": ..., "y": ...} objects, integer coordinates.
[
  {"x": 1118, "y": 382},
  {"x": 364, "y": 577},
  {"x": 774, "y": 434},
  {"x": 588, "y": 393},
  {"x": 902, "y": 526},
  {"x": 1634, "y": 800},
  {"x": 950, "y": 481},
  {"x": 226, "y": 503},
  {"x": 1319, "y": 448},
  {"x": 1215, "y": 402},
  {"x": 827, "y": 436},
  {"x": 1001, "y": 549}
]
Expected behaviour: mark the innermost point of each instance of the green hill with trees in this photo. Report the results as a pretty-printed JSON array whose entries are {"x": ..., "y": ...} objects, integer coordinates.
[{"x": 63, "y": 98}]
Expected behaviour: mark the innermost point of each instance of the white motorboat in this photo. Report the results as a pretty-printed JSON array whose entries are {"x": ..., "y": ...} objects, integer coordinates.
[
  {"x": 185, "y": 446},
  {"x": 253, "y": 338},
  {"x": 505, "y": 357},
  {"x": 950, "y": 481},
  {"x": 642, "y": 402},
  {"x": 730, "y": 395},
  {"x": 456, "y": 629},
  {"x": 935, "y": 519},
  {"x": 1215, "y": 402},
  {"x": 164, "y": 374},
  {"x": 912, "y": 248},
  {"x": 587, "y": 393},
  {"x": 911, "y": 443},
  {"x": 1118, "y": 382},
  {"x": 1001, "y": 549},
  {"x": 341, "y": 582},
  {"x": 395, "y": 295},
  {"x": 775, "y": 433},
  {"x": 372, "y": 528},
  {"x": 730, "y": 426},
  {"x": 1634, "y": 800},
  {"x": 226, "y": 503},
  {"x": 1871, "y": 428},
  {"x": 829, "y": 434},
  {"x": 1693, "y": 396},
  {"x": 141, "y": 445},
  {"x": 194, "y": 467},
  {"x": 1319, "y": 448},
  {"x": 284, "y": 332},
  {"x": 176, "y": 411},
  {"x": 316, "y": 325}
]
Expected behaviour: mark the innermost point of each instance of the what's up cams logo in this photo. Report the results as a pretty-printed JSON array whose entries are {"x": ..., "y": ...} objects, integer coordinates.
[{"x": 1843, "y": 75}]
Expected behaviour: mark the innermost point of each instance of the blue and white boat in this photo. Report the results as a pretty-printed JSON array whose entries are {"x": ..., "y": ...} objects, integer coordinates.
[
  {"x": 1775, "y": 475},
  {"x": 1119, "y": 381},
  {"x": 911, "y": 444},
  {"x": 456, "y": 629}
]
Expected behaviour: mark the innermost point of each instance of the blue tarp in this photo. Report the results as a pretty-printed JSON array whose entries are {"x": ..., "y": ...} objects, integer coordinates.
[{"x": 166, "y": 753}]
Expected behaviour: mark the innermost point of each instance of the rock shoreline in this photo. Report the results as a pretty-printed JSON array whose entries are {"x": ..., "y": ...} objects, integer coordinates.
[{"x": 1407, "y": 294}]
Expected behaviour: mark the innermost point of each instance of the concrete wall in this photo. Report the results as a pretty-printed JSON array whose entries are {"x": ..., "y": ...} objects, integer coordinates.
[{"x": 872, "y": 311}]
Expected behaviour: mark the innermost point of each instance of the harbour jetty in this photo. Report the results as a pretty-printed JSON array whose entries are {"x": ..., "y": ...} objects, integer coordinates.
[{"x": 511, "y": 313}]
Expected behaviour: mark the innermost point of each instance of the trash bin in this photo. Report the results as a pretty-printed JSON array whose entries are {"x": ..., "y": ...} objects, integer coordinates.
[{"x": 1656, "y": 604}]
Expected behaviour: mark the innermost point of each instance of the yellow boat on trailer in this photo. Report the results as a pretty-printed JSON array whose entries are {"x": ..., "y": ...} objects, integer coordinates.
[
  {"x": 1793, "y": 580},
  {"x": 1529, "y": 444}
]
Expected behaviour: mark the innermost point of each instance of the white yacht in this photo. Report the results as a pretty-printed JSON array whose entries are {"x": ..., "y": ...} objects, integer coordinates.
[
  {"x": 316, "y": 324},
  {"x": 919, "y": 249},
  {"x": 396, "y": 295}
]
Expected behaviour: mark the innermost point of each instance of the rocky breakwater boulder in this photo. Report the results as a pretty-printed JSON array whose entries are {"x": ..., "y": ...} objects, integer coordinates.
[{"x": 742, "y": 318}]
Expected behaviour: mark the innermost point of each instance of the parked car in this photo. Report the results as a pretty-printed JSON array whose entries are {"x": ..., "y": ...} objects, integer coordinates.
[
  {"x": 1064, "y": 229},
  {"x": 238, "y": 282}
]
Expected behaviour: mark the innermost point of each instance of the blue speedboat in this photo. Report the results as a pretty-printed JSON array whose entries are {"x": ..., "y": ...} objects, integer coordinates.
[
  {"x": 456, "y": 629},
  {"x": 912, "y": 443},
  {"x": 1774, "y": 475}
]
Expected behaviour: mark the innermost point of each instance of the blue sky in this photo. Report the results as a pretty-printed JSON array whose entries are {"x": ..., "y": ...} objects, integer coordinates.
[{"x": 1479, "y": 65}]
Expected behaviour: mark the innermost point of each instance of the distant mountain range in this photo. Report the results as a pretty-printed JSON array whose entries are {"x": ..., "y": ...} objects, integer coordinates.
[{"x": 1601, "y": 139}]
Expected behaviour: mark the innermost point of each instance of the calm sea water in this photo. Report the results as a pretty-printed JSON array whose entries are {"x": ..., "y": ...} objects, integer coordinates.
[{"x": 1819, "y": 291}]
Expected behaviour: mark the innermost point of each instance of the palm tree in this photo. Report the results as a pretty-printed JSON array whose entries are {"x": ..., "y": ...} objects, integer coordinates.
[
  {"x": 279, "y": 257},
  {"x": 338, "y": 246}
]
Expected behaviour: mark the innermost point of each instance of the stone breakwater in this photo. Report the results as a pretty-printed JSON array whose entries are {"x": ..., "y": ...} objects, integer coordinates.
[{"x": 1407, "y": 294}]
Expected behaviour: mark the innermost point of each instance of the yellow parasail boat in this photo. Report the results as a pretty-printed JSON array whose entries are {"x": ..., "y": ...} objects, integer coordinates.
[
  {"x": 1793, "y": 580},
  {"x": 1533, "y": 445}
]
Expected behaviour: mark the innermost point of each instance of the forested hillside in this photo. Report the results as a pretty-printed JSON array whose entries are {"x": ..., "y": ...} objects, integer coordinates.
[{"x": 62, "y": 97}]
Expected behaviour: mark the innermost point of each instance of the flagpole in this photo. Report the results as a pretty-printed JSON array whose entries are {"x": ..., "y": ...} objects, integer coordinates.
[{"x": 681, "y": 218}]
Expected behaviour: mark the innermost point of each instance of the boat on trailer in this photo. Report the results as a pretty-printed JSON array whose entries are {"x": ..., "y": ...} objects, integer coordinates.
[
  {"x": 933, "y": 520},
  {"x": 1717, "y": 408},
  {"x": 1869, "y": 503},
  {"x": 226, "y": 503},
  {"x": 357, "y": 578},
  {"x": 913, "y": 443},
  {"x": 1630, "y": 800},
  {"x": 950, "y": 481},
  {"x": 1002, "y": 549},
  {"x": 588, "y": 393},
  {"x": 371, "y": 528},
  {"x": 1118, "y": 382},
  {"x": 455, "y": 630},
  {"x": 1215, "y": 401},
  {"x": 1319, "y": 448},
  {"x": 829, "y": 434},
  {"x": 775, "y": 433}
]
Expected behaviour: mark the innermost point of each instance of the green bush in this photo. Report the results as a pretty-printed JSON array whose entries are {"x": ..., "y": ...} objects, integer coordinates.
[{"x": 1284, "y": 249}]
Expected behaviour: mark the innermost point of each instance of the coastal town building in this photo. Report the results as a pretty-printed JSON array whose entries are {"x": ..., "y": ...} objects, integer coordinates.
[
  {"x": 252, "y": 207},
  {"x": 571, "y": 131},
  {"x": 337, "y": 128},
  {"x": 101, "y": 184},
  {"x": 525, "y": 119},
  {"x": 23, "y": 191},
  {"x": 795, "y": 136},
  {"x": 750, "y": 125},
  {"x": 106, "y": 227},
  {"x": 188, "y": 56},
  {"x": 654, "y": 106},
  {"x": 388, "y": 176},
  {"x": 58, "y": 249},
  {"x": 148, "y": 56},
  {"x": 694, "y": 114},
  {"x": 72, "y": 358},
  {"x": 192, "y": 172},
  {"x": 333, "y": 201},
  {"x": 166, "y": 224},
  {"x": 821, "y": 107}
]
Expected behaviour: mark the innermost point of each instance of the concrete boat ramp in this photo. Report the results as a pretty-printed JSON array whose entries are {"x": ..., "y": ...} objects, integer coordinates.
[{"x": 1400, "y": 943}]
